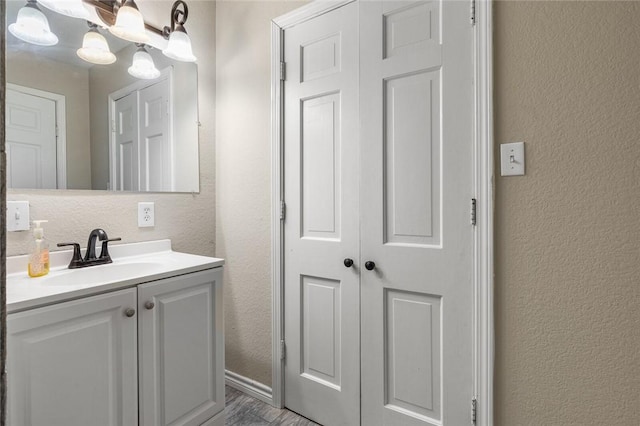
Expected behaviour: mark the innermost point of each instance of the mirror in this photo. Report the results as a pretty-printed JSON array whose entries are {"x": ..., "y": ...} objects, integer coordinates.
[{"x": 75, "y": 125}]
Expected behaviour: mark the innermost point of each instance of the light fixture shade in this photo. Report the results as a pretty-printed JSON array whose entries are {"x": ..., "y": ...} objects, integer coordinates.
[
  {"x": 130, "y": 24},
  {"x": 179, "y": 47},
  {"x": 95, "y": 49},
  {"x": 143, "y": 66},
  {"x": 32, "y": 26},
  {"x": 73, "y": 8}
]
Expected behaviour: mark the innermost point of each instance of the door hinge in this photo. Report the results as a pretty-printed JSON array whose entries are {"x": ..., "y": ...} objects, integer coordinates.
[
  {"x": 283, "y": 350},
  {"x": 474, "y": 410},
  {"x": 57, "y": 131},
  {"x": 474, "y": 209},
  {"x": 283, "y": 71},
  {"x": 283, "y": 210},
  {"x": 473, "y": 12},
  {"x": 113, "y": 125}
]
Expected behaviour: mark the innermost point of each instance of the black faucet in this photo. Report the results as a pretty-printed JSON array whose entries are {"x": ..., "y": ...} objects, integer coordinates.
[{"x": 90, "y": 257}]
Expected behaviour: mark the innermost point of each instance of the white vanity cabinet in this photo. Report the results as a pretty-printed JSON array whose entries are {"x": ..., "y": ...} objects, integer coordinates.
[
  {"x": 180, "y": 343},
  {"x": 74, "y": 363},
  {"x": 151, "y": 354}
]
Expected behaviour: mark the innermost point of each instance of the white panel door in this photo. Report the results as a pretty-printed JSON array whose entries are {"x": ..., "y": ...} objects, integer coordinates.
[
  {"x": 30, "y": 141},
  {"x": 126, "y": 150},
  {"x": 416, "y": 130},
  {"x": 322, "y": 296},
  {"x": 86, "y": 347},
  {"x": 155, "y": 139},
  {"x": 181, "y": 349}
]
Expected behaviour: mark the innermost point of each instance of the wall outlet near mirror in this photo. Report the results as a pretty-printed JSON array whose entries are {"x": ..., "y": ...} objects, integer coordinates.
[{"x": 146, "y": 215}]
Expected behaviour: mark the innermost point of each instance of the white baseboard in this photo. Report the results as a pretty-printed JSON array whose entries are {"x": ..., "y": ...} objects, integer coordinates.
[{"x": 252, "y": 388}]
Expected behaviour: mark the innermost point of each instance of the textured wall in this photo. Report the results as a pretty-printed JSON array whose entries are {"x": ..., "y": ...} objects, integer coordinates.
[
  {"x": 187, "y": 219},
  {"x": 243, "y": 147},
  {"x": 567, "y": 82},
  {"x": 73, "y": 83}
]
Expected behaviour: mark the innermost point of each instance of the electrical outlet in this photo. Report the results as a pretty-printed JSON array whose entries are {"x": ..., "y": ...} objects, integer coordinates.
[
  {"x": 146, "y": 215},
  {"x": 17, "y": 216}
]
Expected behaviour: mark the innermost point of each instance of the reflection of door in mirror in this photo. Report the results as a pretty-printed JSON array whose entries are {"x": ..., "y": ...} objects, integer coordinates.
[
  {"x": 35, "y": 153},
  {"x": 141, "y": 143}
]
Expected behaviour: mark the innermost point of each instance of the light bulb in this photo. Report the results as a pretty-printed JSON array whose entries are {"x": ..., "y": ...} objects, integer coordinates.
[
  {"x": 143, "y": 66},
  {"x": 95, "y": 49},
  {"x": 179, "y": 47},
  {"x": 72, "y": 8},
  {"x": 32, "y": 26},
  {"x": 130, "y": 24}
]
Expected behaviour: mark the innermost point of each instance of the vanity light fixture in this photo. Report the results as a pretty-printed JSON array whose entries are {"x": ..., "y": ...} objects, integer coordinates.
[
  {"x": 143, "y": 66},
  {"x": 32, "y": 26},
  {"x": 72, "y": 8},
  {"x": 179, "y": 47},
  {"x": 129, "y": 23},
  {"x": 95, "y": 48}
]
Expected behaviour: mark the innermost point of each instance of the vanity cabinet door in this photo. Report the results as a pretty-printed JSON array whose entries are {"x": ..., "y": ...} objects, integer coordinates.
[
  {"x": 181, "y": 349},
  {"x": 74, "y": 363}
]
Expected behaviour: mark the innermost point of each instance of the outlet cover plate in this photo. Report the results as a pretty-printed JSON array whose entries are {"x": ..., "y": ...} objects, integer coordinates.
[
  {"x": 146, "y": 215},
  {"x": 17, "y": 216}
]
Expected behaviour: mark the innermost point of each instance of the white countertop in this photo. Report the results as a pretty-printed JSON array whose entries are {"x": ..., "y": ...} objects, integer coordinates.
[{"x": 133, "y": 264}]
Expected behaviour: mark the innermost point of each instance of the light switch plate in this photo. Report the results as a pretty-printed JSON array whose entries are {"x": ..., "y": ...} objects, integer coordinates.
[
  {"x": 146, "y": 215},
  {"x": 17, "y": 216},
  {"x": 512, "y": 159}
]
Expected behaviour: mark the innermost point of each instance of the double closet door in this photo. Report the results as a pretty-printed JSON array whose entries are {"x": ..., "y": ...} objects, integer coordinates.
[{"x": 378, "y": 148}]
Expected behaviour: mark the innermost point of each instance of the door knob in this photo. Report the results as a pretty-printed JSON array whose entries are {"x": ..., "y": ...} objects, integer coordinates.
[
  {"x": 348, "y": 262},
  {"x": 130, "y": 312},
  {"x": 370, "y": 265},
  {"x": 149, "y": 305}
]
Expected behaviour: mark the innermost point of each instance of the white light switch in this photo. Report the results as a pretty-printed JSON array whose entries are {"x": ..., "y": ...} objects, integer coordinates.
[
  {"x": 146, "y": 215},
  {"x": 512, "y": 159},
  {"x": 17, "y": 216}
]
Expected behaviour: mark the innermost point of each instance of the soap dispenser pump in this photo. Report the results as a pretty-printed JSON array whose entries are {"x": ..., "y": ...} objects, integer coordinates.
[{"x": 39, "y": 253}]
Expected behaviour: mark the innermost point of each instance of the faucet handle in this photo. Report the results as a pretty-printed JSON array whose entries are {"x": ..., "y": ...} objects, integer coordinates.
[
  {"x": 76, "y": 260},
  {"x": 104, "y": 253}
]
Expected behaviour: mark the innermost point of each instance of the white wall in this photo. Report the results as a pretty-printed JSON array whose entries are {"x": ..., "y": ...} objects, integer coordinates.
[
  {"x": 243, "y": 145},
  {"x": 187, "y": 219}
]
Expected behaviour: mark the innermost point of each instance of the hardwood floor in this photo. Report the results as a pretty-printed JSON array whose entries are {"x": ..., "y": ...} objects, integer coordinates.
[{"x": 241, "y": 410}]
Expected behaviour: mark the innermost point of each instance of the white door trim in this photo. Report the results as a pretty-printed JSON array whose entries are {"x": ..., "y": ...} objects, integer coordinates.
[
  {"x": 61, "y": 129},
  {"x": 483, "y": 183}
]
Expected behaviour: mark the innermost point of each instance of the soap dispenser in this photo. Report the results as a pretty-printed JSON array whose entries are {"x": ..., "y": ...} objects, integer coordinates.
[{"x": 39, "y": 252}]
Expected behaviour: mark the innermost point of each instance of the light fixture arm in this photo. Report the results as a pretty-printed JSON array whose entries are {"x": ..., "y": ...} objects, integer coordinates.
[{"x": 178, "y": 18}]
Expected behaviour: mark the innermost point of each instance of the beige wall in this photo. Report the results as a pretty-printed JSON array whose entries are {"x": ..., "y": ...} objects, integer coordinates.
[
  {"x": 243, "y": 149},
  {"x": 72, "y": 82},
  {"x": 567, "y": 82},
  {"x": 187, "y": 219}
]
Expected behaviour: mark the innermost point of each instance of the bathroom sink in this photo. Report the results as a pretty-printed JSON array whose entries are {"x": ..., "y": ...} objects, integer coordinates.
[
  {"x": 133, "y": 264},
  {"x": 100, "y": 274}
]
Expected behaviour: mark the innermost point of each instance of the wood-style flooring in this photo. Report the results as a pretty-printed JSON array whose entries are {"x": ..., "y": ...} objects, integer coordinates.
[{"x": 241, "y": 410}]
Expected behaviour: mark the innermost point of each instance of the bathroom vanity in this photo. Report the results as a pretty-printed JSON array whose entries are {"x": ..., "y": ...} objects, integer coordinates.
[{"x": 136, "y": 342}]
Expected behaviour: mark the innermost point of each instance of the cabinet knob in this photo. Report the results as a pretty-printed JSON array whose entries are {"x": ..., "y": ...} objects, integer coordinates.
[
  {"x": 130, "y": 312},
  {"x": 149, "y": 305},
  {"x": 370, "y": 265},
  {"x": 348, "y": 262}
]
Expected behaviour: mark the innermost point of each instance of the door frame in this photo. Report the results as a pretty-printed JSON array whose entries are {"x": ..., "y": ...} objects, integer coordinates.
[
  {"x": 165, "y": 74},
  {"x": 61, "y": 128},
  {"x": 483, "y": 257}
]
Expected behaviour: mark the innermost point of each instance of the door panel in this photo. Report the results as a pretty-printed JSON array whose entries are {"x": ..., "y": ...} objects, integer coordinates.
[
  {"x": 322, "y": 301},
  {"x": 31, "y": 141},
  {"x": 155, "y": 139},
  {"x": 416, "y": 126},
  {"x": 88, "y": 346},
  {"x": 179, "y": 351},
  {"x": 126, "y": 143}
]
